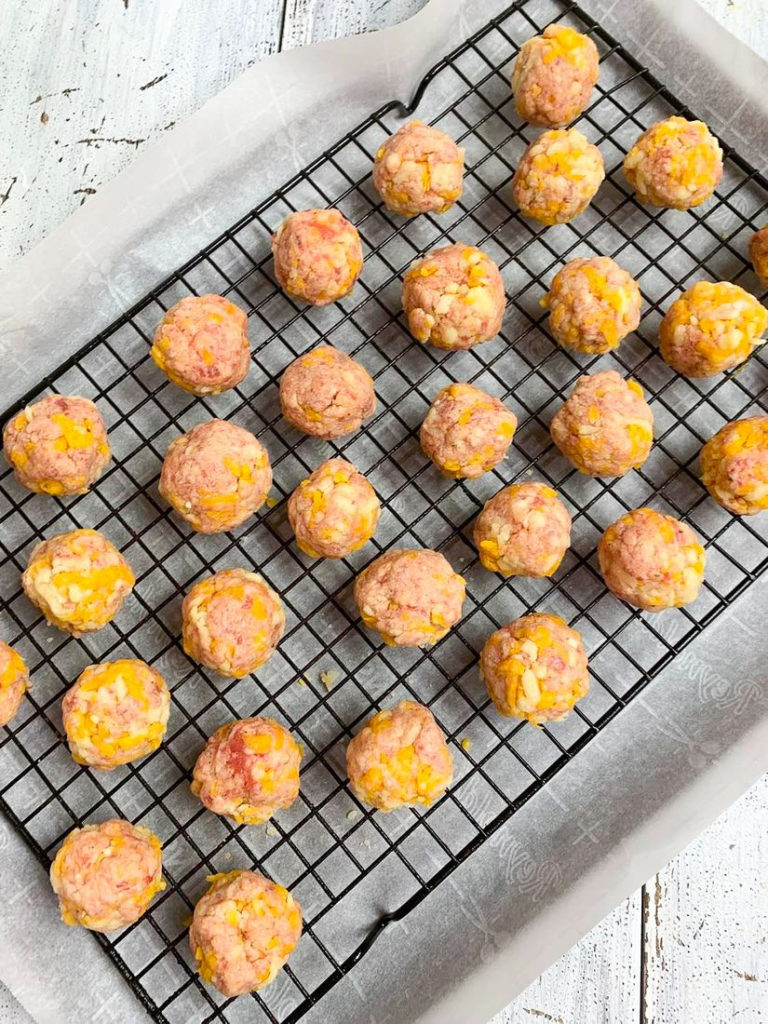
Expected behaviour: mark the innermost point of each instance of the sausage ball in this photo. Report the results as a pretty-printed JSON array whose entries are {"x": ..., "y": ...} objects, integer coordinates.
[
  {"x": 78, "y": 580},
  {"x": 524, "y": 530},
  {"x": 711, "y": 328},
  {"x": 248, "y": 770},
  {"x": 216, "y": 476},
  {"x": 535, "y": 668},
  {"x": 14, "y": 681},
  {"x": 326, "y": 393},
  {"x": 57, "y": 446},
  {"x": 466, "y": 432},
  {"x": 734, "y": 466},
  {"x": 593, "y": 305},
  {"x": 675, "y": 163},
  {"x": 400, "y": 759},
  {"x": 419, "y": 169},
  {"x": 318, "y": 256},
  {"x": 605, "y": 427},
  {"x": 554, "y": 75},
  {"x": 758, "y": 254},
  {"x": 116, "y": 712},
  {"x": 454, "y": 297},
  {"x": 651, "y": 560},
  {"x": 243, "y": 931},
  {"x": 107, "y": 875},
  {"x": 410, "y": 597},
  {"x": 334, "y": 511},
  {"x": 557, "y": 177},
  {"x": 201, "y": 344},
  {"x": 232, "y": 622}
]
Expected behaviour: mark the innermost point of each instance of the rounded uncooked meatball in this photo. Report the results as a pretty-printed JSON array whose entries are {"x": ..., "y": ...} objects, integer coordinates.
[
  {"x": 243, "y": 930},
  {"x": 711, "y": 328},
  {"x": 116, "y": 712},
  {"x": 466, "y": 432},
  {"x": 419, "y": 169},
  {"x": 651, "y": 560},
  {"x": 14, "y": 681},
  {"x": 734, "y": 466},
  {"x": 326, "y": 393},
  {"x": 593, "y": 305},
  {"x": 248, "y": 770},
  {"x": 57, "y": 446},
  {"x": 318, "y": 256},
  {"x": 107, "y": 875},
  {"x": 535, "y": 668},
  {"x": 216, "y": 476},
  {"x": 201, "y": 344},
  {"x": 410, "y": 597},
  {"x": 232, "y": 622},
  {"x": 554, "y": 75},
  {"x": 524, "y": 530},
  {"x": 334, "y": 511},
  {"x": 78, "y": 580},
  {"x": 400, "y": 759},
  {"x": 605, "y": 427},
  {"x": 454, "y": 297},
  {"x": 758, "y": 254},
  {"x": 557, "y": 177},
  {"x": 675, "y": 163}
]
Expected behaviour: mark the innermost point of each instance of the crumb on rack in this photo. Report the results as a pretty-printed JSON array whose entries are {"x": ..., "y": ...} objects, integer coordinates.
[
  {"x": 466, "y": 744},
  {"x": 352, "y": 814},
  {"x": 271, "y": 831},
  {"x": 301, "y": 681},
  {"x": 328, "y": 679},
  {"x": 271, "y": 502}
]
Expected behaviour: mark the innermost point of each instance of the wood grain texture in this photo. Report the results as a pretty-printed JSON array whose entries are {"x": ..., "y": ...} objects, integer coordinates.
[{"x": 113, "y": 74}]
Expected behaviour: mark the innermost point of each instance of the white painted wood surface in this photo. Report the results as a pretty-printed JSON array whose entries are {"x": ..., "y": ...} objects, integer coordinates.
[{"x": 84, "y": 84}]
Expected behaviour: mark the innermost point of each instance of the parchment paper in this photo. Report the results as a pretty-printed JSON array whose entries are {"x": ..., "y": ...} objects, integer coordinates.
[{"x": 669, "y": 764}]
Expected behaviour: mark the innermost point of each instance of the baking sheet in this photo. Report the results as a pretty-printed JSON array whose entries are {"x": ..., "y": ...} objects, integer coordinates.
[{"x": 698, "y": 718}]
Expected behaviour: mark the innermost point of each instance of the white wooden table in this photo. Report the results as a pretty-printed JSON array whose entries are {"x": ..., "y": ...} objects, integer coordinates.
[{"x": 84, "y": 85}]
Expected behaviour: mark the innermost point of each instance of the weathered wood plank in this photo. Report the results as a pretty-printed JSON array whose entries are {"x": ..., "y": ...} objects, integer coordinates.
[
  {"x": 596, "y": 980},
  {"x": 706, "y": 924}
]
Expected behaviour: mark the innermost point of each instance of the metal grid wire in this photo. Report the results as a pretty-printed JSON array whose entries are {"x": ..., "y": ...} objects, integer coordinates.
[{"x": 353, "y": 870}]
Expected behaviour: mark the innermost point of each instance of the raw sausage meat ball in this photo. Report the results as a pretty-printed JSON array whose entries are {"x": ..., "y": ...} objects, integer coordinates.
[
  {"x": 419, "y": 169},
  {"x": 557, "y": 177},
  {"x": 14, "y": 680},
  {"x": 651, "y": 560},
  {"x": 116, "y": 712},
  {"x": 758, "y": 254},
  {"x": 216, "y": 476},
  {"x": 605, "y": 428},
  {"x": 524, "y": 530},
  {"x": 454, "y": 297},
  {"x": 248, "y": 770},
  {"x": 201, "y": 344},
  {"x": 711, "y": 328},
  {"x": 334, "y": 511},
  {"x": 734, "y": 466},
  {"x": 232, "y": 622},
  {"x": 535, "y": 668},
  {"x": 318, "y": 256},
  {"x": 466, "y": 432},
  {"x": 326, "y": 393},
  {"x": 554, "y": 75},
  {"x": 107, "y": 875},
  {"x": 593, "y": 305},
  {"x": 400, "y": 759},
  {"x": 57, "y": 446},
  {"x": 243, "y": 930},
  {"x": 675, "y": 163},
  {"x": 410, "y": 597},
  {"x": 78, "y": 580}
]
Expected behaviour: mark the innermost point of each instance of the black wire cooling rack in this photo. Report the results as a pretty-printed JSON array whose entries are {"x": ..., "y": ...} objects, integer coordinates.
[{"x": 352, "y": 870}]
